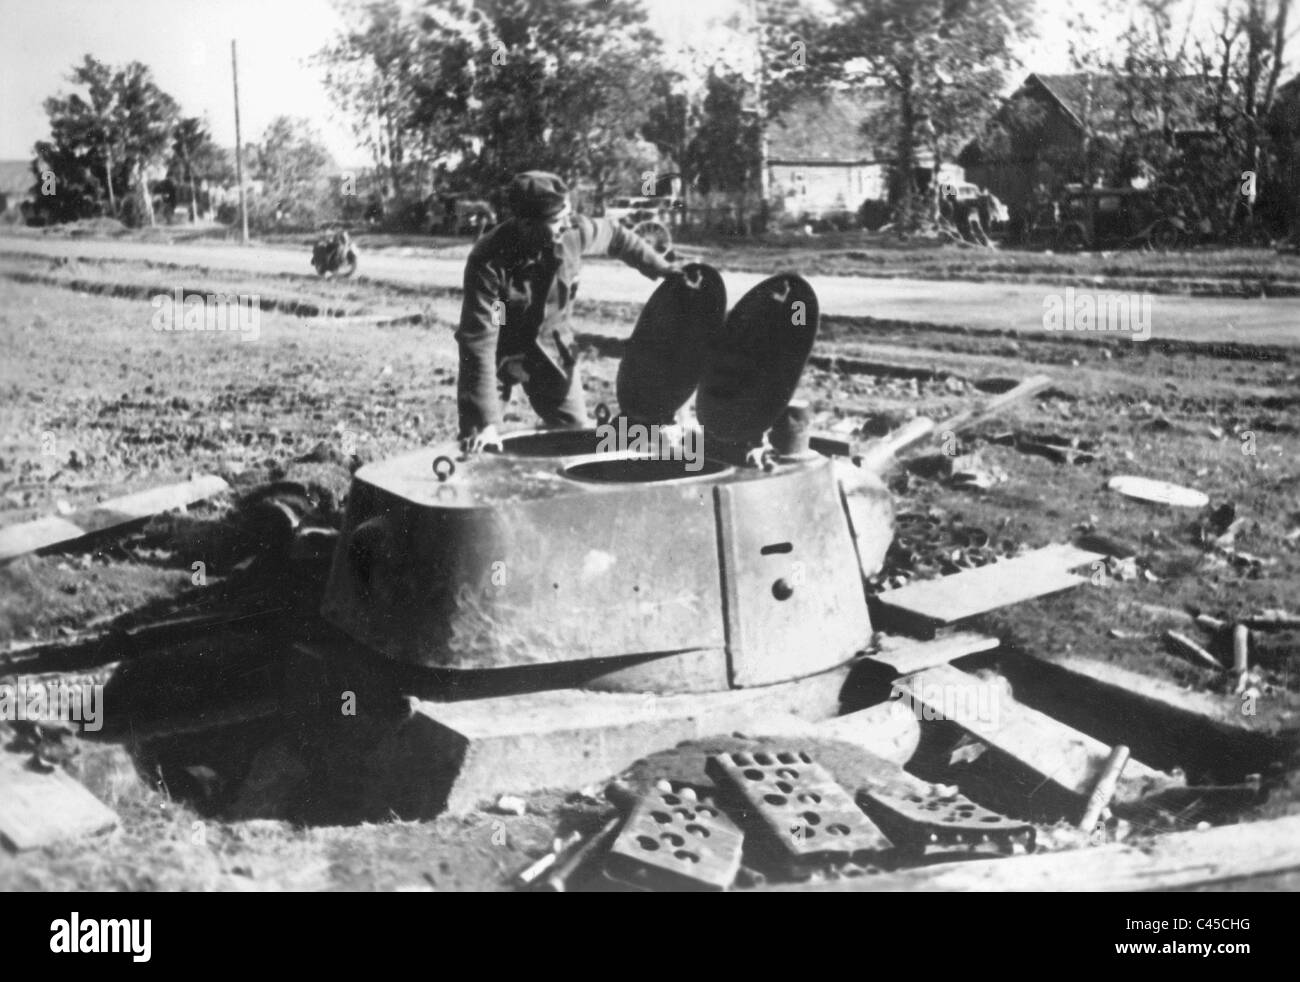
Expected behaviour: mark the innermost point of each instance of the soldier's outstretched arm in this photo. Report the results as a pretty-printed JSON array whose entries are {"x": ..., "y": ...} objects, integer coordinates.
[
  {"x": 476, "y": 385},
  {"x": 605, "y": 236}
]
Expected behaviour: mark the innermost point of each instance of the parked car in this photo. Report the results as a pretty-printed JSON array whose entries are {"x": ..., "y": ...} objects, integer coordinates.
[
  {"x": 648, "y": 217},
  {"x": 630, "y": 211},
  {"x": 1100, "y": 218}
]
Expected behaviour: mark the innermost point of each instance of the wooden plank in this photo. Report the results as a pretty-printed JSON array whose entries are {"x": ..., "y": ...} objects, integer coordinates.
[
  {"x": 1170, "y": 862},
  {"x": 92, "y": 646},
  {"x": 1068, "y": 556},
  {"x": 1057, "y": 753},
  {"x": 881, "y": 454},
  {"x": 37, "y": 534},
  {"x": 41, "y": 809},
  {"x": 1167, "y": 726},
  {"x": 950, "y": 599},
  {"x": 41, "y": 533},
  {"x": 1222, "y": 710},
  {"x": 903, "y": 656},
  {"x": 989, "y": 408},
  {"x": 448, "y": 756}
]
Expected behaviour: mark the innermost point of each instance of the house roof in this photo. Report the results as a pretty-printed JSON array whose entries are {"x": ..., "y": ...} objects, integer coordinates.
[
  {"x": 16, "y": 177},
  {"x": 830, "y": 129},
  {"x": 1074, "y": 93}
]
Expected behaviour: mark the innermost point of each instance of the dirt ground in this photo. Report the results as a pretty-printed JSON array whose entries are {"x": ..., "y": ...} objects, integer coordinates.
[{"x": 95, "y": 403}]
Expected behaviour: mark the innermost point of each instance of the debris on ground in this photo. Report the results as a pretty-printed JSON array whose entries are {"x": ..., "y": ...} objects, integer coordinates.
[
  {"x": 509, "y": 804},
  {"x": 281, "y": 424},
  {"x": 43, "y": 806},
  {"x": 1185, "y": 646},
  {"x": 951, "y": 599},
  {"x": 1157, "y": 492},
  {"x": 676, "y": 841},
  {"x": 71, "y": 526},
  {"x": 1056, "y": 447}
]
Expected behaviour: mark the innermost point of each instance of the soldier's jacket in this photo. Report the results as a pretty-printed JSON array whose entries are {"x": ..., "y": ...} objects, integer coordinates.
[{"x": 519, "y": 292}]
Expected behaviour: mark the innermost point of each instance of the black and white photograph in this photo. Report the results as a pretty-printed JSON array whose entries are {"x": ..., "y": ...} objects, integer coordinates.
[{"x": 651, "y": 446}]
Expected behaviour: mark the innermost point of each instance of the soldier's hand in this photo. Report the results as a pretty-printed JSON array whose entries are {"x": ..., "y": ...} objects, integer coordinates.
[{"x": 480, "y": 440}]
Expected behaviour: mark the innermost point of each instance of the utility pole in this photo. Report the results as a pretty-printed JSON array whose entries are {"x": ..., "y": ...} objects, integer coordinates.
[{"x": 239, "y": 149}]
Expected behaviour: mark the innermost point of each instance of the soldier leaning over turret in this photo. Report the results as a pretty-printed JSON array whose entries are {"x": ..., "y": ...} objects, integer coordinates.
[{"x": 515, "y": 327}]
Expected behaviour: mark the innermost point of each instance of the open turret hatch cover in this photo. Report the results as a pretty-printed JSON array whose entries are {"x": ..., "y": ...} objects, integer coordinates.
[
  {"x": 753, "y": 361},
  {"x": 665, "y": 354}
]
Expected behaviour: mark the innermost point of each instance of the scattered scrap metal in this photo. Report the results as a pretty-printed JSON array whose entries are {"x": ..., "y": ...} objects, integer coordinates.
[
  {"x": 775, "y": 814},
  {"x": 770, "y": 816}
]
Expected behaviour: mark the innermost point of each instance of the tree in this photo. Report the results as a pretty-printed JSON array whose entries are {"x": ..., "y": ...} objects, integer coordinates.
[
  {"x": 77, "y": 190},
  {"x": 401, "y": 79},
  {"x": 559, "y": 85},
  {"x": 1284, "y": 136},
  {"x": 292, "y": 164},
  {"x": 480, "y": 89},
  {"x": 82, "y": 152},
  {"x": 938, "y": 61},
  {"x": 1242, "y": 65},
  {"x": 775, "y": 55},
  {"x": 194, "y": 153},
  {"x": 724, "y": 155},
  {"x": 146, "y": 116},
  {"x": 672, "y": 118},
  {"x": 1189, "y": 113},
  {"x": 768, "y": 62},
  {"x": 117, "y": 130}
]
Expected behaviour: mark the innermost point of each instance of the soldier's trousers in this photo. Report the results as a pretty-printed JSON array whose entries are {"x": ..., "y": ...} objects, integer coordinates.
[{"x": 555, "y": 396}]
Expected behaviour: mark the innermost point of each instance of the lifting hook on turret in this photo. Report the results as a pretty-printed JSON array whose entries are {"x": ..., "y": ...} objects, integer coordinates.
[{"x": 443, "y": 467}]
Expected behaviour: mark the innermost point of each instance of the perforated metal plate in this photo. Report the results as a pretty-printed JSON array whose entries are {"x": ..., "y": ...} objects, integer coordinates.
[
  {"x": 805, "y": 818},
  {"x": 944, "y": 821},
  {"x": 673, "y": 841}
]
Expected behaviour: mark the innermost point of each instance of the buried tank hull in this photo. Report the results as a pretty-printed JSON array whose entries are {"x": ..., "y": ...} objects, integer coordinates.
[{"x": 550, "y": 553}]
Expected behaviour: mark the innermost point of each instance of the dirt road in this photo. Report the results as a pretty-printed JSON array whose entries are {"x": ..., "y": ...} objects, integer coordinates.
[{"x": 978, "y": 306}]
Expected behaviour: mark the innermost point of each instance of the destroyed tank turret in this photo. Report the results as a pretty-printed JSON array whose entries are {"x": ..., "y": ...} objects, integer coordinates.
[{"x": 663, "y": 558}]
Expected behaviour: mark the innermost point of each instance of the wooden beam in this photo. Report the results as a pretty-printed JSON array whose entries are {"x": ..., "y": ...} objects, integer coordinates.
[
  {"x": 41, "y": 809},
  {"x": 451, "y": 755},
  {"x": 929, "y": 604},
  {"x": 1170, "y": 862},
  {"x": 1192, "y": 651},
  {"x": 1066, "y": 555},
  {"x": 1178, "y": 727},
  {"x": 1057, "y": 753},
  {"x": 988, "y": 408},
  {"x": 18, "y": 540},
  {"x": 1222, "y": 710},
  {"x": 91, "y": 647},
  {"x": 881, "y": 454},
  {"x": 903, "y": 656}
]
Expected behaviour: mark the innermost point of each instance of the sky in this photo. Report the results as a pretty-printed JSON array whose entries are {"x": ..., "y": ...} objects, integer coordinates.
[{"x": 187, "y": 44}]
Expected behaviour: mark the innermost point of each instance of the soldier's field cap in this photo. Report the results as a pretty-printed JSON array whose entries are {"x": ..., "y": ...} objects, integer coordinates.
[{"x": 537, "y": 194}]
